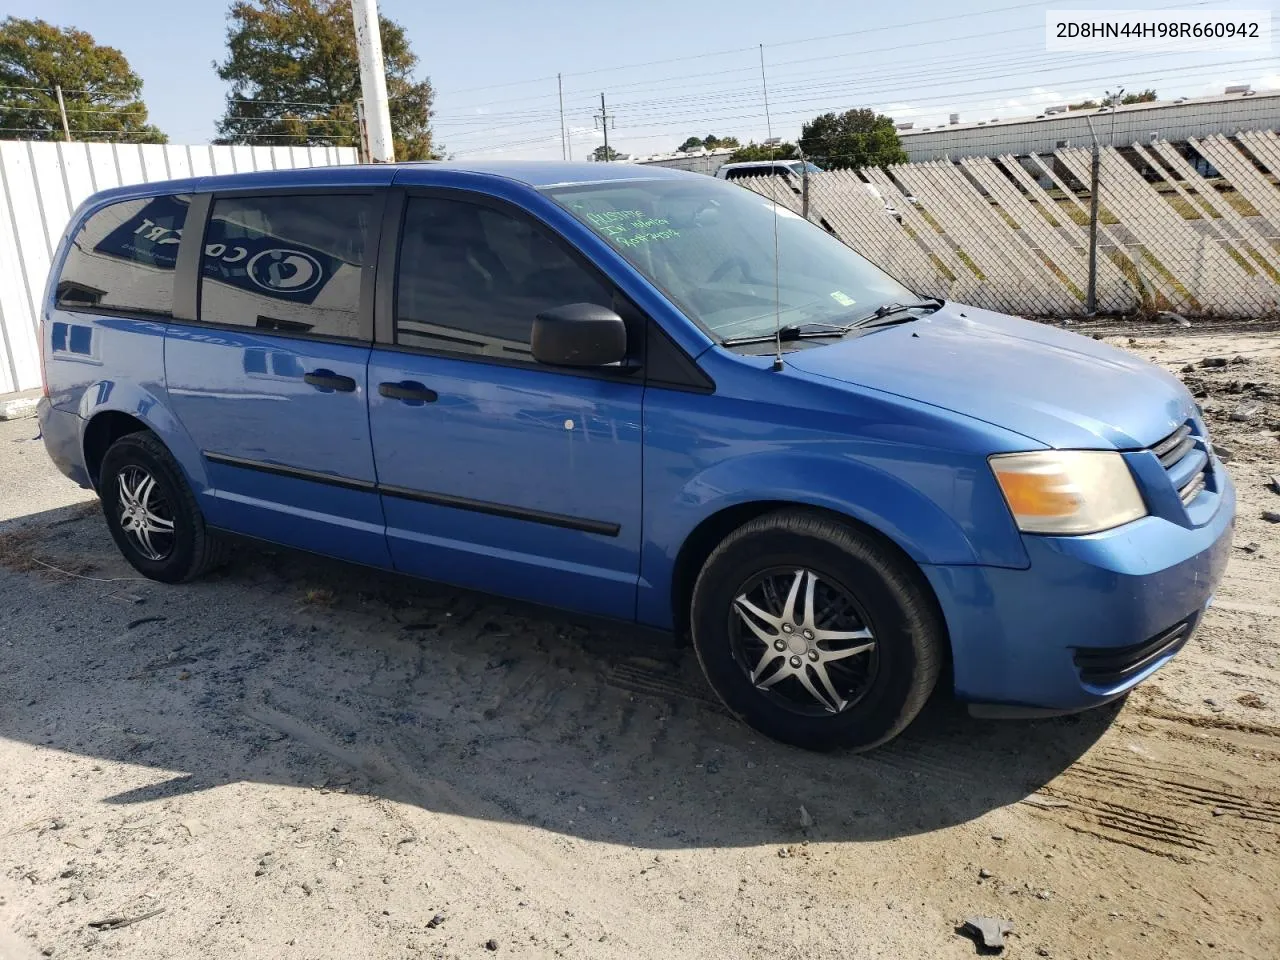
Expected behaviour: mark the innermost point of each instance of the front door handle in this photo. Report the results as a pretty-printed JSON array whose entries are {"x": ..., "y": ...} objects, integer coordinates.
[
  {"x": 328, "y": 380},
  {"x": 408, "y": 391}
]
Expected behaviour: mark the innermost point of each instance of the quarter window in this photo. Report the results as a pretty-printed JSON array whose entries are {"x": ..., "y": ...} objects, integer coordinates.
[
  {"x": 471, "y": 279},
  {"x": 286, "y": 264},
  {"x": 123, "y": 257}
]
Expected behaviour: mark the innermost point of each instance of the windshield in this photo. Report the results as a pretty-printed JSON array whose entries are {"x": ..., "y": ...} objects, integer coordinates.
[{"x": 709, "y": 246}]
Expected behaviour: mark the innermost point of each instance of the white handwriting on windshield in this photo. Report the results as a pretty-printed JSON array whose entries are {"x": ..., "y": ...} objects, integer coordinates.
[{"x": 631, "y": 228}]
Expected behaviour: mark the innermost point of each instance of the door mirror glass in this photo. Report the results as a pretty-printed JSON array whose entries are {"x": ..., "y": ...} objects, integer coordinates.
[{"x": 579, "y": 335}]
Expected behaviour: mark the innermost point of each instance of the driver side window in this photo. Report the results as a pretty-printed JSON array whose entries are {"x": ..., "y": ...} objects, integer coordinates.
[{"x": 471, "y": 279}]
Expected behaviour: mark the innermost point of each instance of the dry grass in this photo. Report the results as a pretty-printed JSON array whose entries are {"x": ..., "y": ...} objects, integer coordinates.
[
  {"x": 17, "y": 549},
  {"x": 18, "y": 553},
  {"x": 319, "y": 597}
]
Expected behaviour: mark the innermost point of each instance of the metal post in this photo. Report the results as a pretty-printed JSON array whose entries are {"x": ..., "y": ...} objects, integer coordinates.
[
  {"x": 373, "y": 80},
  {"x": 1091, "y": 298},
  {"x": 1091, "y": 294},
  {"x": 604, "y": 125},
  {"x": 362, "y": 142},
  {"x": 62, "y": 112},
  {"x": 564, "y": 155}
]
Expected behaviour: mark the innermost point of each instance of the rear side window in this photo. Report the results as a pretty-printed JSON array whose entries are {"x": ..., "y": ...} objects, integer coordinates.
[
  {"x": 471, "y": 279},
  {"x": 286, "y": 264},
  {"x": 123, "y": 257}
]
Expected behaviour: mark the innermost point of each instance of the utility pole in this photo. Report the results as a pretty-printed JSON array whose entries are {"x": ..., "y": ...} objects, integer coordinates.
[
  {"x": 564, "y": 150},
  {"x": 604, "y": 120},
  {"x": 373, "y": 80},
  {"x": 62, "y": 112}
]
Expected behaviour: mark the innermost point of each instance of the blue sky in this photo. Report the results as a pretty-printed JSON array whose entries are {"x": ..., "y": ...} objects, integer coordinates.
[{"x": 671, "y": 68}]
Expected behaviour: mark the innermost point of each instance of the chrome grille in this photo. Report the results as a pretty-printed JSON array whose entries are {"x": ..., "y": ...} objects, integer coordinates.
[
  {"x": 1184, "y": 461},
  {"x": 1192, "y": 489},
  {"x": 1174, "y": 447}
]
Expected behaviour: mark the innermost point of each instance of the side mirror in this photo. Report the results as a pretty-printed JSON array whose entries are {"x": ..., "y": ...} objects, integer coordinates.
[{"x": 579, "y": 335}]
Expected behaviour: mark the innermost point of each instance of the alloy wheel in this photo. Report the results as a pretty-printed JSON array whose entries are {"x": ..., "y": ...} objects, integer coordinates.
[
  {"x": 146, "y": 517},
  {"x": 803, "y": 640}
]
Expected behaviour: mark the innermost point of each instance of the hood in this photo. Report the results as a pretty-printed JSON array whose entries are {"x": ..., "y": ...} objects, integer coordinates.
[{"x": 1056, "y": 387}]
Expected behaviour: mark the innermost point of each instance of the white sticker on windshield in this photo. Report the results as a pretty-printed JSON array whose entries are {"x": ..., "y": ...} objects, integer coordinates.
[{"x": 842, "y": 298}]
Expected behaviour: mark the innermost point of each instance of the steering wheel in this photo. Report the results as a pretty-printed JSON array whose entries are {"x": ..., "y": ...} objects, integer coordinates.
[{"x": 744, "y": 268}]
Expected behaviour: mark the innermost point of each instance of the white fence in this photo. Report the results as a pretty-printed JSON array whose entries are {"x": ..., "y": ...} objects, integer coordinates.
[
  {"x": 986, "y": 232},
  {"x": 41, "y": 184}
]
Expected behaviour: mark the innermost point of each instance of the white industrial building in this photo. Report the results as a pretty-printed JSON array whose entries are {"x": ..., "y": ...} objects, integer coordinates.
[
  {"x": 701, "y": 161},
  {"x": 1174, "y": 120}
]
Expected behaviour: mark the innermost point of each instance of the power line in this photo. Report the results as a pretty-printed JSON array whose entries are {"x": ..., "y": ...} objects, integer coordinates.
[
  {"x": 1203, "y": 70},
  {"x": 1039, "y": 60},
  {"x": 826, "y": 93},
  {"x": 752, "y": 49}
]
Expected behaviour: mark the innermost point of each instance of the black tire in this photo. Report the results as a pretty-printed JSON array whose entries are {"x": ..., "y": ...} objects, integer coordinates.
[
  {"x": 191, "y": 549},
  {"x": 876, "y": 587}
]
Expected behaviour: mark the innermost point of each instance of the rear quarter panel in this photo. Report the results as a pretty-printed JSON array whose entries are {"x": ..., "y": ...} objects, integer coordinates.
[{"x": 95, "y": 363}]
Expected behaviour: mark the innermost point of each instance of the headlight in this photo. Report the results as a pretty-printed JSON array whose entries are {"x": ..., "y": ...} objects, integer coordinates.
[{"x": 1068, "y": 491}]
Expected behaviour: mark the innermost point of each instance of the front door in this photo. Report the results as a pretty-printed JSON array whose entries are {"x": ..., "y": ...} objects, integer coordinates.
[
  {"x": 271, "y": 382},
  {"x": 496, "y": 472}
]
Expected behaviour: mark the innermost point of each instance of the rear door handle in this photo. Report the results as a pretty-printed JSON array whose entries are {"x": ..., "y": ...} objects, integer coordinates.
[
  {"x": 328, "y": 380},
  {"x": 408, "y": 391}
]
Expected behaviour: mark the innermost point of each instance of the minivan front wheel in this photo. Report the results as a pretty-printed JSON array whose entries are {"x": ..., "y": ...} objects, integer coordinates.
[
  {"x": 816, "y": 633},
  {"x": 152, "y": 513}
]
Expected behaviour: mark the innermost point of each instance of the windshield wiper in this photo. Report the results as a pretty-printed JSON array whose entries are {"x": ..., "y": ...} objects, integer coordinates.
[
  {"x": 887, "y": 310},
  {"x": 802, "y": 331}
]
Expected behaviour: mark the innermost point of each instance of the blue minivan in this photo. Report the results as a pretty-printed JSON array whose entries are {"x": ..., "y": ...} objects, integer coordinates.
[{"x": 641, "y": 394}]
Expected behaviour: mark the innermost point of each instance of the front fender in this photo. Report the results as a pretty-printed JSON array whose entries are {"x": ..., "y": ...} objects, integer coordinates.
[
  {"x": 857, "y": 489},
  {"x": 930, "y": 508},
  {"x": 145, "y": 403}
]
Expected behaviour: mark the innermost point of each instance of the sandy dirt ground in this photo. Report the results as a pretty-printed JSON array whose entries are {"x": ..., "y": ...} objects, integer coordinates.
[{"x": 299, "y": 759}]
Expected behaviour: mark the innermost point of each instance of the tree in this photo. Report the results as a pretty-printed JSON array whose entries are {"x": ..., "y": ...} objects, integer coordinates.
[
  {"x": 709, "y": 142},
  {"x": 764, "y": 151},
  {"x": 101, "y": 92},
  {"x": 855, "y": 138},
  {"x": 295, "y": 76},
  {"x": 1145, "y": 96},
  {"x": 603, "y": 153}
]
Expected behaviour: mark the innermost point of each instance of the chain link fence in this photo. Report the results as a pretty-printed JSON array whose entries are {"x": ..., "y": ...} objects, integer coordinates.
[{"x": 1195, "y": 231}]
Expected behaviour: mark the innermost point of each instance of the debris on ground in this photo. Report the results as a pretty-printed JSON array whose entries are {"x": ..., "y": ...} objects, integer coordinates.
[
  {"x": 1168, "y": 316},
  {"x": 806, "y": 821},
  {"x": 435, "y": 921},
  {"x": 132, "y": 624},
  {"x": 1275, "y": 483},
  {"x": 1246, "y": 411},
  {"x": 987, "y": 932},
  {"x": 491, "y": 944},
  {"x": 1213, "y": 362},
  {"x": 115, "y": 923},
  {"x": 1251, "y": 700},
  {"x": 1271, "y": 516},
  {"x": 1252, "y": 547}
]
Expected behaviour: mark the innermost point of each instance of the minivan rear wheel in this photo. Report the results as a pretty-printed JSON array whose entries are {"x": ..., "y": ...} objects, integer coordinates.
[
  {"x": 152, "y": 513},
  {"x": 815, "y": 632}
]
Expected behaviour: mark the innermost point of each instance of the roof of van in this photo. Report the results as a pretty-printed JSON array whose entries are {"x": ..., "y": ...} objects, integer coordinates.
[{"x": 531, "y": 173}]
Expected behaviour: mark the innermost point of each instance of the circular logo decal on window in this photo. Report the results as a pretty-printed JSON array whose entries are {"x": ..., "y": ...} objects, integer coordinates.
[{"x": 286, "y": 271}]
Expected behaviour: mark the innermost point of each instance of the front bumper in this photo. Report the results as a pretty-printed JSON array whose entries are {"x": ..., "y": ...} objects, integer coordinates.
[{"x": 1089, "y": 619}]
